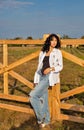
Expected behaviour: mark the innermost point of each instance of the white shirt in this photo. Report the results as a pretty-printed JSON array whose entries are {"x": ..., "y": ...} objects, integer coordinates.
[{"x": 56, "y": 61}]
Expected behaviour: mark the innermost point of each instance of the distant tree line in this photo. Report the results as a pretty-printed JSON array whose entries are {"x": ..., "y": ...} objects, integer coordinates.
[
  {"x": 82, "y": 37},
  {"x": 17, "y": 38},
  {"x": 67, "y": 37},
  {"x": 31, "y": 38}
]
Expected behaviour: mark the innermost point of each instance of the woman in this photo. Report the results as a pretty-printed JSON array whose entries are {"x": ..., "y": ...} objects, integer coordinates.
[{"x": 47, "y": 74}]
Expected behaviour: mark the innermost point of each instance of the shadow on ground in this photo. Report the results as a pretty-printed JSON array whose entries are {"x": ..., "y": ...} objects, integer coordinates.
[{"x": 29, "y": 124}]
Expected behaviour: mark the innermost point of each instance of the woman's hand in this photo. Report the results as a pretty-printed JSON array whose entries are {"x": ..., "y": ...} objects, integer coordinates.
[
  {"x": 48, "y": 70},
  {"x": 34, "y": 84}
]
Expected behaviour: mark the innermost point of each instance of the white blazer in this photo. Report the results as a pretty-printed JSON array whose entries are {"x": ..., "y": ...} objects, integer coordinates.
[{"x": 56, "y": 61}]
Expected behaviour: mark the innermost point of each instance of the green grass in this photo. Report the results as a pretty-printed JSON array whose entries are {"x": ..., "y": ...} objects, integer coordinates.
[
  {"x": 79, "y": 52},
  {"x": 16, "y": 53}
]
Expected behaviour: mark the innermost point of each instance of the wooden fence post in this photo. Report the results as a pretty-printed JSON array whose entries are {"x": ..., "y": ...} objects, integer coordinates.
[
  {"x": 50, "y": 101},
  {"x": 54, "y": 102},
  {"x": 5, "y": 63}
]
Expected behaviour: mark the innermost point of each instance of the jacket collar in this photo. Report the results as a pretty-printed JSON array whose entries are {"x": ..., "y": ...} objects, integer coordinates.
[{"x": 54, "y": 49}]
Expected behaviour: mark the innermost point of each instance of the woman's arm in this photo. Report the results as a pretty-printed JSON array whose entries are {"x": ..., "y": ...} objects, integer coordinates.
[{"x": 59, "y": 66}]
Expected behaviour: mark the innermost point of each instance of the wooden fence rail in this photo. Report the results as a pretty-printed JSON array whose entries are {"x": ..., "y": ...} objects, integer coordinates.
[
  {"x": 73, "y": 42},
  {"x": 55, "y": 96},
  {"x": 72, "y": 92}
]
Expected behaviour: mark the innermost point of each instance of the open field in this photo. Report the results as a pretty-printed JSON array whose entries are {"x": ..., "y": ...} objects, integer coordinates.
[{"x": 72, "y": 76}]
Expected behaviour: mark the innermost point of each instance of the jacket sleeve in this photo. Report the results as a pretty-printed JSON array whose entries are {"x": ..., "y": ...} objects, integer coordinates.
[
  {"x": 36, "y": 75},
  {"x": 59, "y": 66},
  {"x": 40, "y": 56}
]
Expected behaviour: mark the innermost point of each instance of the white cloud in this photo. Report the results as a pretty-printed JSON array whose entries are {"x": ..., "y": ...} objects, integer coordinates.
[{"x": 14, "y": 3}]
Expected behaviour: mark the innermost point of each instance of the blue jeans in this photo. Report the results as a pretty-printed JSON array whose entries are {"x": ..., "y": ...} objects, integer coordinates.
[{"x": 39, "y": 99}]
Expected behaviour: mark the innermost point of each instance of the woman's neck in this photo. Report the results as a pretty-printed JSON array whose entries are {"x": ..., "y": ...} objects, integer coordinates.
[{"x": 50, "y": 50}]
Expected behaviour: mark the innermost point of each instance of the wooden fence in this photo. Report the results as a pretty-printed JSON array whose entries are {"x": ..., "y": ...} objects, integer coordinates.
[
  {"x": 55, "y": 96},
  {"x": 64, "y": 42}
]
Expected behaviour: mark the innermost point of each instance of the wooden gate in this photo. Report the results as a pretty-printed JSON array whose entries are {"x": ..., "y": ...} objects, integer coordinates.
[{"x": 54, "y": 94}]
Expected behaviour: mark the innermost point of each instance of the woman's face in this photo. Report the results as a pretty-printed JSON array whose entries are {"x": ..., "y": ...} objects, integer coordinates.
[{"x": 53, "y": 43}]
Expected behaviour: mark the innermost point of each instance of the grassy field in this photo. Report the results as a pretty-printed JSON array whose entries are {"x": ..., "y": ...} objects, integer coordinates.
[{"x": 72, "y": 76}]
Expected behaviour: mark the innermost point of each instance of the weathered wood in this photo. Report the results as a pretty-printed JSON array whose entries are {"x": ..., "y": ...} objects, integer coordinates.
[
  {"x": 50, "y": 101},
  {"x": 17, "y": 108},
  {"x": 55, "y": 108},
  {"x": 72, "y": 92},
  {"x": 55, "y": 96},
  {"x": 73, "y": 58},
  {"x": 72, "y": 118},
  {"x": 72, "y": 41},
  {"x": 21, "y": 41},
  {"x": 19, "y": 62},
  {"x": 5, "y": 63},
  {"x": 14, "y": 97},
  {"x": 73, "y": 107},
  {"x": 56, "y": 101},
  {"x": 41, "y": 41},
  {"x": 20, "y": 78},
  {"x": 1, "y": 65}
]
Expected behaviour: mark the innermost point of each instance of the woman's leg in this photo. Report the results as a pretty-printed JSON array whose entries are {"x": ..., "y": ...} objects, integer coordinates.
[
  {"x": 36, "y": 94},
  {"x": 45, "y": 107}
]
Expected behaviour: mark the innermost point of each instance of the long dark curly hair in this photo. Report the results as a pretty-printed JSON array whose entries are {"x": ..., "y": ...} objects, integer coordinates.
[{"x": 46, "y": 45}]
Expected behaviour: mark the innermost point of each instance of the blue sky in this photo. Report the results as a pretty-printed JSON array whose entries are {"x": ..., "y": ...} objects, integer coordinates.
[{"x": 23, "y": 18}]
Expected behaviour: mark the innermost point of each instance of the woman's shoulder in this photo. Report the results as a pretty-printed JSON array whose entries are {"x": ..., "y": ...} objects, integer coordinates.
[
  {"x": 57, "y": 50},
  {"x": 42, "y": 53}
]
